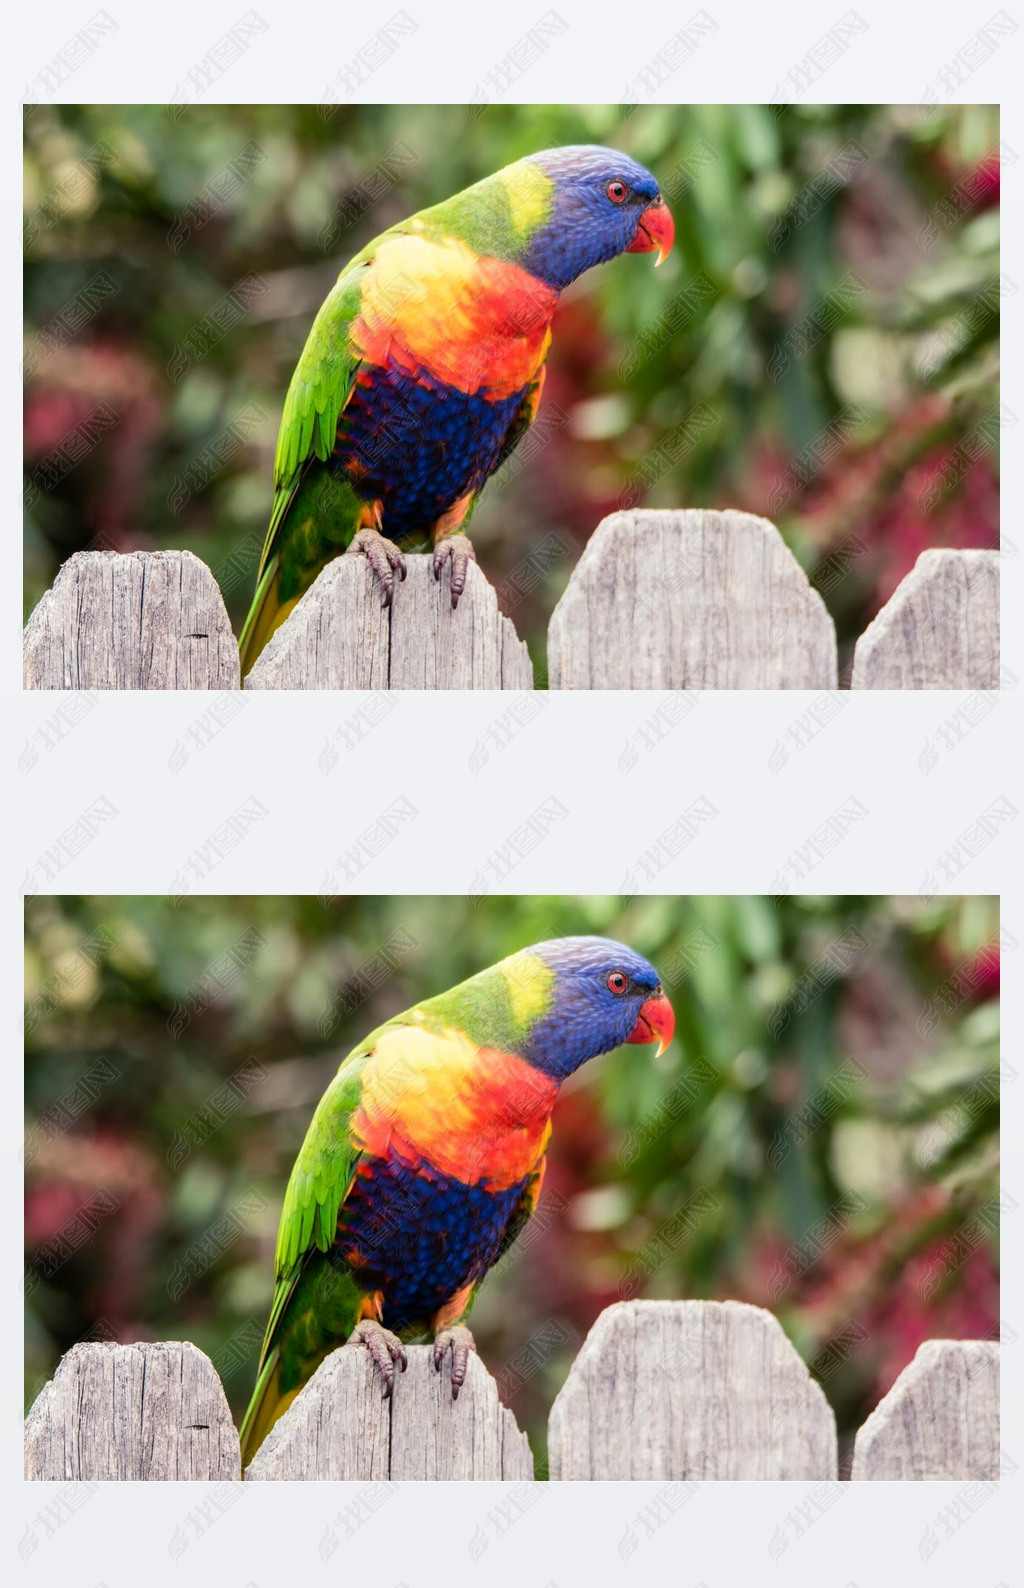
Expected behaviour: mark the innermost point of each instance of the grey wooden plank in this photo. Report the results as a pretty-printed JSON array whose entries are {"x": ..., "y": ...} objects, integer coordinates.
[
  {"x": 341, "y": 1427},
  {"x": 153, "y": 1411},
  {"x": 939, "y": 1420},
  {"x": 939, "y": 630},
  {"x": 340, "y": 637},
  {"x": 690, "y": 1390},
  {"x": 690, "y": 600},
  {"x": 142, "y": 620}
]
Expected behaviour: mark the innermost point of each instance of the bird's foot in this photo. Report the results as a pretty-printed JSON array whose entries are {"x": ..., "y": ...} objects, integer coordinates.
[
  {"x": 383, "y": 556},
  {"x": 385, "y": 1348},
  {"x": 458, "y": 1340},
  {"x": 459, "y": 548}
]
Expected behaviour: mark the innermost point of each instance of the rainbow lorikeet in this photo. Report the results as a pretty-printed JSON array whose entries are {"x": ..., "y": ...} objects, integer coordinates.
[
  {"x": 425, "y": 1158},
  {"x": 424, "y": 367}
]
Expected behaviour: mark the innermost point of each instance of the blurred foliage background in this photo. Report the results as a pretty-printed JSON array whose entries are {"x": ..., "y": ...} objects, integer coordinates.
[
  {"x": 821, "y": 1138},
  {"x": 822, "y": 346}
]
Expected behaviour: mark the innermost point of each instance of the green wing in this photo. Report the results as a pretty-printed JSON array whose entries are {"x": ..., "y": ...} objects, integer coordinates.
[
  {"x": 319, "y": 389},
  {"x": 319, "y": 1183},
  {"x": 315, "y": 1304}
]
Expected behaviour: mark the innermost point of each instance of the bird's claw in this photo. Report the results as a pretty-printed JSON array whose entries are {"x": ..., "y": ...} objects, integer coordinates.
[
  {"x": 385, "y": 1348},
  {"x": 383, "y": 556},
  {"x": 459, "y": 548},
  {"x": 458, "y": 1340}
]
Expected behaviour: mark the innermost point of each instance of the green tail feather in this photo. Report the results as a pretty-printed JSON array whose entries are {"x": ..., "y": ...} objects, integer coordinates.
[
  {"x": 313, "y": 1314},
  {"x": 309, "y": 527},
  {"x": 262, "y": 620},
  {"x": 265, "y": 1408}
]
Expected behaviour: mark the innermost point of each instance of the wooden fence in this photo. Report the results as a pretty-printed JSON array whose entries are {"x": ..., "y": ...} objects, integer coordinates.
[
  {"x": 665, "y": 1390},
  {"x": 658, "y": 600}
]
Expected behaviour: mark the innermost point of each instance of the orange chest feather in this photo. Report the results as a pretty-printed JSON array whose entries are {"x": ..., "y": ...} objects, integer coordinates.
[
  {"x": 467, "y": 320},
  {"x": 436, "y": 1100}
]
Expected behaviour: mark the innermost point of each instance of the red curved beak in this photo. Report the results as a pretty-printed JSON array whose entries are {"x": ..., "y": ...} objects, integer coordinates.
[
  {"x": 655, "y": 229},
  {"x": 656, "y": 1020}
]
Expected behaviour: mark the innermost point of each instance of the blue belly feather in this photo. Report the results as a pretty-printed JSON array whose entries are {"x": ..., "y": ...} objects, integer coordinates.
[
  {"x": 419, "y": 445},
  {"x": 419, "y": 1240}
]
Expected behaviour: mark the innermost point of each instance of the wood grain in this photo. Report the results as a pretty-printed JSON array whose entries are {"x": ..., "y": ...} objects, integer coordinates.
[
  {"x": 690, "y": 600},
  {"x": 153, "y": 1411},
  {"x": 661, "y": 1390},
  {"x": 142, "y": 620},
  {"x": 688, "y": 1390},
  {"x": 340, "y": 637},
  {"x": 341, "y": 1427},
  {"x": 940, "y": 630},
  {"x": 939, "y": 1420}
]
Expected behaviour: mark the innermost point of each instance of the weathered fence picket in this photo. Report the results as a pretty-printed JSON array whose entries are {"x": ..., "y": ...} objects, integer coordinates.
[
  {"x": 939, "y": 1420},
  {"x": 144, "y": 620},
  {"x": 666, "y": 1390},
  {"x": 132, "y": 1411},
  {"x": 419, "y": 1433},
  {"x": 690, "y": 1389},
  {"x": 659, "y": 600},
  {"x": 340, "y": 637},
  {"x": 940, "y": 630},
  {"x": 690, "y": 600}
]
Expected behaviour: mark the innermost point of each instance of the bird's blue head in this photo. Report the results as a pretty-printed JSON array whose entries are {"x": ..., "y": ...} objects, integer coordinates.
[
  {"x": 600, "y": 204},
  {"x": 604, "y": 995}
]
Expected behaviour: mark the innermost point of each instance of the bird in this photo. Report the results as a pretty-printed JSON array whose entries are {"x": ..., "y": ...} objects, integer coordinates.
[
  {"x": 424, "y": 368},
  {"x": 425, "y": 1158}
]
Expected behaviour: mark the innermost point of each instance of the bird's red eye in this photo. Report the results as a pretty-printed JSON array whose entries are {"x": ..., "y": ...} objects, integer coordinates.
[
  {"x": 616, "y": 192},
  {"x": 617, "y": 982}
]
